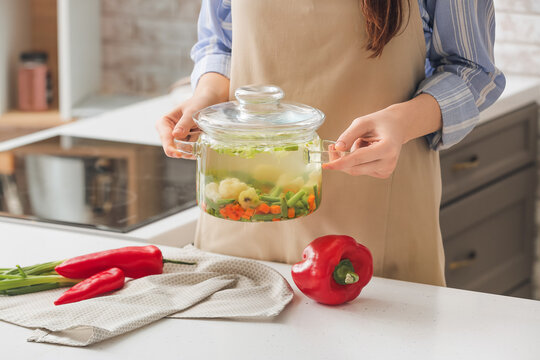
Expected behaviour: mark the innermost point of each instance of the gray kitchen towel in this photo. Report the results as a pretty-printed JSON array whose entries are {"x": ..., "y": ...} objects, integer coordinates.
[{"x": 217, "y": 287}]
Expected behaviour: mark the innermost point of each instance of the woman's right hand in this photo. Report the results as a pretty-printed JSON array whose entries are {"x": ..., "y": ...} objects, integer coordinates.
[{"x": 212, "y": 89}]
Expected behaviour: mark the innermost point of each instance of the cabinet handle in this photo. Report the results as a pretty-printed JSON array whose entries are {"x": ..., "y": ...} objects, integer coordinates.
[
  {"x": 466, "y": 165},
  {"x": 468, "y": 261}
]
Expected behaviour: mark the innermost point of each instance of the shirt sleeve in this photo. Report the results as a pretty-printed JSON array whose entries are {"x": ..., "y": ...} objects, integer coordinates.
[
  {"x": 212, "y": 52},
  {"x": 460, "y": 69}
]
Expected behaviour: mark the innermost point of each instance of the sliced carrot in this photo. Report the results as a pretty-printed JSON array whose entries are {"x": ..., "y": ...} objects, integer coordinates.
[
  {"x": 234, "y": 216},
  {"x": 249, "y": 212},
  {"x": 223, "y": 212},
  {"x": 275, "y": 209},
  {"x": 290, "y": 213},
  {"x": 263, "y": 208},
  {"x": 311, "y": 202},
  {"x": 276, "y": 219}
]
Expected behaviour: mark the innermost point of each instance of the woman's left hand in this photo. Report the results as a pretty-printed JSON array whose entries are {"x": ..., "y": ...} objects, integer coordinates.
[{"x": 375, "y": 140}]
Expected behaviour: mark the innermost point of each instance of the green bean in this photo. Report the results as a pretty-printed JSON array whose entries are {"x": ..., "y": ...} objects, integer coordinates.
[
  {"x": 284, "y": 208},
  {"x": 211, "y": 204},
  {"x": 293, "y": 200},
  {"x": 265, "y": 217},
  {"x": 276, "y": 191},
  {"x": 270, "y": 199}
]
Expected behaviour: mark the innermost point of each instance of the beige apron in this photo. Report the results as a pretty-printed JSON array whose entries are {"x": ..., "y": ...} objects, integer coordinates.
[{"x": 314, "y": 50}]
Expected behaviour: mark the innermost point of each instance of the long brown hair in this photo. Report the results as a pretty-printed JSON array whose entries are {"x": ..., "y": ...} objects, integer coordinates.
[{"x": 384, "y": 19}]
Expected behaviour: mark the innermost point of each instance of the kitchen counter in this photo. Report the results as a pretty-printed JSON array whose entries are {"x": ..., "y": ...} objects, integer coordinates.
[
  {"x": 135, "y": 123},
  {"x": 390, "y": 320}
]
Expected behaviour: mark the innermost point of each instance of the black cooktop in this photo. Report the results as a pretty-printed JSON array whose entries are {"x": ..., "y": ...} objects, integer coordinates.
[{"x": 93, "y": 183}]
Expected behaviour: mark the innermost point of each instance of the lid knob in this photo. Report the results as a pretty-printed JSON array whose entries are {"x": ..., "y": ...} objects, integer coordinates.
[{"x": 259, "y": 94}]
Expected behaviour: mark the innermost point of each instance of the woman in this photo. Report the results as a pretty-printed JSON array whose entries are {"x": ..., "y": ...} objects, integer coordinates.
[{"x": 363, "y": 63}]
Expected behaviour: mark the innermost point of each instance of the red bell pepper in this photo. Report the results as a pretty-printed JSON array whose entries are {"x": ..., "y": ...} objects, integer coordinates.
[
  {"x": 98, "y": 284},
  {"x": 334, "y": 270},
  {"x": 135, "y": 261}
]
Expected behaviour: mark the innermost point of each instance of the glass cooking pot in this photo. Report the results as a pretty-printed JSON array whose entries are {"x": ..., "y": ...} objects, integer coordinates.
[{"x": 258, "y": 158}]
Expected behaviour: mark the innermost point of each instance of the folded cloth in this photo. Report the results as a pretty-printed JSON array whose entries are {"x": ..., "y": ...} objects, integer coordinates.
[{"x": 217, "y": 287}]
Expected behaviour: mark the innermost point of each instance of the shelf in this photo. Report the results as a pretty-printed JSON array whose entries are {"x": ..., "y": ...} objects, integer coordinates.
[
  {"x": 33, "y": 120},
  {"x": 19, "y": 123}
]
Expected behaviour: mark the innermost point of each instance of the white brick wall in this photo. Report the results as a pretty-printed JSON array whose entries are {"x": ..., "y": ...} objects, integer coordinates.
[
  {"x": 146, "y": 44},
  {"x": 517, "y": 51}
]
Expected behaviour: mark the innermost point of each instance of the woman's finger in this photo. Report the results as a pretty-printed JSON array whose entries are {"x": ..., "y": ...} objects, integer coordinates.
[
  {"x": 164, "y": 127},
  {"x": 360, "y": 128},
  {"x": 184, "y": 124},
  {"x": 361, "y": 155}
]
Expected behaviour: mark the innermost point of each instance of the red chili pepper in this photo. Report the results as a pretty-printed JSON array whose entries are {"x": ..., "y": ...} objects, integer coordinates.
[
  {"x": 135, "y": 261},
  {"x": 334, "y": 270},
  {"x": 98, "y": 284}
]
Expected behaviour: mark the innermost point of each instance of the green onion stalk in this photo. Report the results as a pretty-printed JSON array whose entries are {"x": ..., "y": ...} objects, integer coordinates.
[{"x": 29, "y": 279}]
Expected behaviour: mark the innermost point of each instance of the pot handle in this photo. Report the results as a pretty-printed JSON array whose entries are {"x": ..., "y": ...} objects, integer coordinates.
[
  {"x": 327, "y": 154},
  {"x": 189, "y": 147}
]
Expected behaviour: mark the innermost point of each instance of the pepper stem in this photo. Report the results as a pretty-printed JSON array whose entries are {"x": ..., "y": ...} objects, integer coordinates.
[
  {"x": 178, "y": 262},
  {"x": 344, "y": 273}
]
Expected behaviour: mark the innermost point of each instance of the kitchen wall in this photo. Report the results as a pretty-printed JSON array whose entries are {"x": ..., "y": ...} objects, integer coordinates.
[
  {"x": 517, "y": 49},
  {"x": 146, "y": 44},
  {"x": 517, "y": 52}
]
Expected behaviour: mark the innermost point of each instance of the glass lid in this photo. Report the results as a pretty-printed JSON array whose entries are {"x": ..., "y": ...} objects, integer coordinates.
[{"x": 259, "y": 110}]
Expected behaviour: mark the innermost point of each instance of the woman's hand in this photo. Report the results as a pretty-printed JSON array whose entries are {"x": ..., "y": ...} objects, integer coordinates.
[
  {"x": 212, "y": 89},
  {"x": 375, "y": 140}
]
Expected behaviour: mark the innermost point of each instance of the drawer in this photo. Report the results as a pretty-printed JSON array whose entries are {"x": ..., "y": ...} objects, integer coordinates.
[
  {"x": 491, "y": 150},
  {"x": 488, "y": 236}
]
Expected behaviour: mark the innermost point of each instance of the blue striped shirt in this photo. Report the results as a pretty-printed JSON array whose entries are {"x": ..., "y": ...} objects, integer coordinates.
[{"x": 460, "y": 70}]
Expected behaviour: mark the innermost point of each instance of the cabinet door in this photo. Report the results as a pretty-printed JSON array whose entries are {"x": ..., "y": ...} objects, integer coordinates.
[
  {"x": 492, "y": 150},
  {"x": 488, "y": 235}
]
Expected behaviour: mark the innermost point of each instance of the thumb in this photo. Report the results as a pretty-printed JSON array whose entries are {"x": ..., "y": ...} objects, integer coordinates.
[{"x": 359, "y": 128}]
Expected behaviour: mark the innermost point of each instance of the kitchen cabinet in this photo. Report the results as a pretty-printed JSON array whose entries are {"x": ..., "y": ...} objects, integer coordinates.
[
  {"x": 487, "y": 209},
  {"x": 70, "y": 32}
]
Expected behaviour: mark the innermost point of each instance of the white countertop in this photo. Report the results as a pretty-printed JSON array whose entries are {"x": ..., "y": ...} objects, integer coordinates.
[
  {"x": 135, "y": 123},
  {"x": 390, "y": 320}
]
